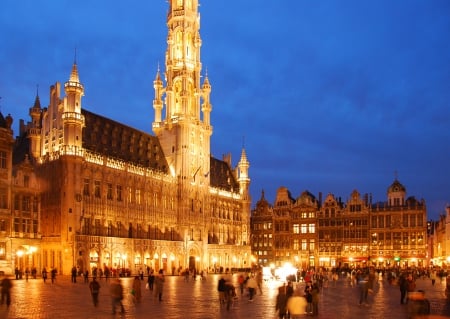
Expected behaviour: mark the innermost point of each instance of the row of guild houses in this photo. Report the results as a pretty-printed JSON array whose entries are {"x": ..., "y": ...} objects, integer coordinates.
[
  {"x": 310, "y": 232},
  {"x": 81, "y": 190}
]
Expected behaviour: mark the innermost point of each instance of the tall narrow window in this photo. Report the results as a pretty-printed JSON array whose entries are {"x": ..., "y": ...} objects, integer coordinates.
[
  {"x": 119, "y": 193},
  {"x": 86, "y": 187},
  {"x": 97, "y": 192},
  {"x": 3, "y": 159},
  {"x": 3, "y": 198},
  {"x": 109, "y": 193}
]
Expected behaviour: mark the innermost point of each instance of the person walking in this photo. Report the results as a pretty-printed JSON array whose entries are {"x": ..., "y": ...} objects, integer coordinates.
[
  {"x": 363, "y": 283},
  {"x": 315, "y": 299},
  {"x": 151, "y": 280},
  {"x": 241, "y": 281},
  {"x": 44, "y": 274},
  {"x": 159, "y": 284},
  {"x": 403, "y": 285},
  {"x": 309, "y": 298},
  {"x": 94, "y": 287},
  {"x": 410, "y": 285},
  {"x": 74, "y": 274},
  {"x": 53, "y": 275},
  {"x": 137, "y": 289},
  {"x": 221, "y": 290},
  {"x": 433, "y": 277},
  {"x": 252, "y": 285},
  {"x": 281, "y": 303},
  {"x": 259, "y": 281},
  {"x": 6, "y": 285},
  {"x": 116, "y": 291}
]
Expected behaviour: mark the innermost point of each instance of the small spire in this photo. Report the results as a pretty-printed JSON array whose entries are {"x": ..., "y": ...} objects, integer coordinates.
[
  {"x": 158, "y": 75},
  {"x": 74, "y": 74},
  {"x": 244, "y": 156},
  {"x": 37, "y": 102}
]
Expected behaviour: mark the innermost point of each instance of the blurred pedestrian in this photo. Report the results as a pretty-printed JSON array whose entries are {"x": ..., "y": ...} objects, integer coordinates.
[
  {"x": 259, "y": 280},
  {"x": 94, "y": 287},
  {"x": 53, "y": 275},
  {"x": 296, "y": 305},
  {"x": 241, "y": 281},
  {"x": 230, "y": 294},
  {"x": 137, "y": 289},
  {"x": 418, "y": 305},
  {"x": 315, "y": 299},
  {"x": 74, "y": 274},
  {"x": 410, "y": 285},
  {"x": 309, "y": 298},
  {"x": 44, "y": 274},
  {"x": 281, "y": 303},
  {"x": 363, "y": 283},
  {"x": 221, "y": 290},
  {"x": 433, "y": 277},
  {"x": 6, "y": 285},
  {"x": 252, "y": 285},
  {"x": 151, "y": 280},
  {"x": 116, "y": 291},
  {"x": 159, "y": 284}
]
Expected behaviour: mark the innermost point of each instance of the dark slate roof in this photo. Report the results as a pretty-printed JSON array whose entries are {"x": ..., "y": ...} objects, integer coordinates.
[
  {"x": 221, "y": 176},
  {"x": 105, "y": 136},
  {"x": 21, "y": 149}
]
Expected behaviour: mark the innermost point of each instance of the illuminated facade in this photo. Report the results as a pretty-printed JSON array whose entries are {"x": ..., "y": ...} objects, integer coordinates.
[
  {"x": 439, "y": 240},
  {"x": 114, "y": 196},
  {"x": 19, "y": 205},
  {"x": 341, "y": 234}
]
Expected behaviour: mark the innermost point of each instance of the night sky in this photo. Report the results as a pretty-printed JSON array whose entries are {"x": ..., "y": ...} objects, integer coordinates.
[{"x": 325, "y": 96}]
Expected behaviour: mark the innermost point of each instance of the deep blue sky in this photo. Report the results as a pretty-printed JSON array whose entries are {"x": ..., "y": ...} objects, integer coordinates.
[{"x": 326, "y": 96}]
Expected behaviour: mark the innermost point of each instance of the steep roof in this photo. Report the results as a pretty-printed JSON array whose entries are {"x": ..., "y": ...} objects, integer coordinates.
[
  {"x": 105, "y": 136},
  {"x": 221, "y": 176}
]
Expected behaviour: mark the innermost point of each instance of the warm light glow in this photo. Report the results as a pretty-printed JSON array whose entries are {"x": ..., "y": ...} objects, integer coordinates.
[
  {"x": 19, "y": 253},
  {"x": 156, "y": 256}
]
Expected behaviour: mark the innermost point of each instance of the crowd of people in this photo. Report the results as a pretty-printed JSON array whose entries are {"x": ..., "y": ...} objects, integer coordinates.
[{"x": 299, "y": 295}]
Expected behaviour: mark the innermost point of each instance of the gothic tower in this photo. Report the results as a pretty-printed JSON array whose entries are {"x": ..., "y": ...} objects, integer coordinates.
[
  {"x": 73, "y": 120},
  {"x": 182, "y": 108}
]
